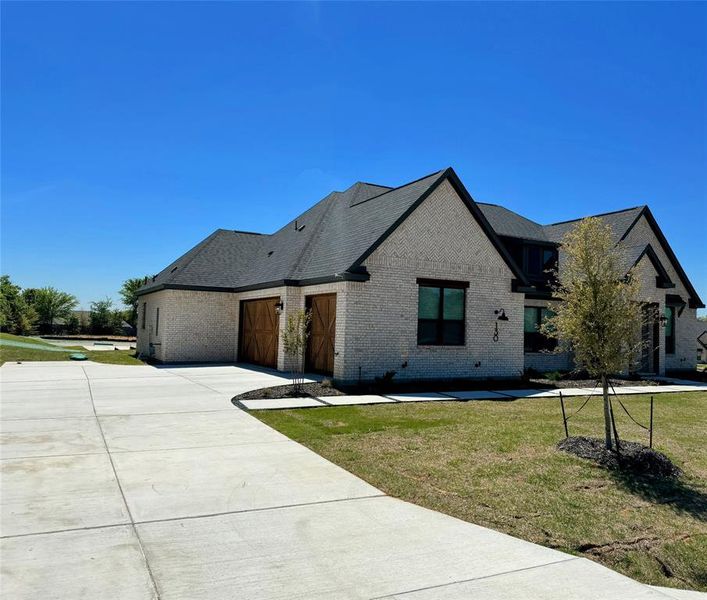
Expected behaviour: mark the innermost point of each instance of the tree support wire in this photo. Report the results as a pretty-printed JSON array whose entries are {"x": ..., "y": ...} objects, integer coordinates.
[{"x": 566, "y": 417}]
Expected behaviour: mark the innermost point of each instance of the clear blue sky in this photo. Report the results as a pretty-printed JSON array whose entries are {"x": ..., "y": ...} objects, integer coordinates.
[{"x": 133, "y": 130}]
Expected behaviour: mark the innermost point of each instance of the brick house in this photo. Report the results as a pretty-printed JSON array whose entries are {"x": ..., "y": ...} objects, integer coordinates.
[{"x": 419, "y": 279}]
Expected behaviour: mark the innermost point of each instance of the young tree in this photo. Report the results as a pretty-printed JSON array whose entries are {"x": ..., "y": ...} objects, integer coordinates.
[
  {"x": 294, "y": 339},
  {"x": 598, "y": 314},
  {"x": 50, "y": 304},
  {"x": 128, "y": 293},
  {"x": 16, "y": 316}
]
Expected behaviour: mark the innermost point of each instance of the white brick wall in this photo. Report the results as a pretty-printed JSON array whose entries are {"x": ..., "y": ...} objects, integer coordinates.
[
  {"x": 194, "y": 326},
  {"x": 440, "y": 240}
]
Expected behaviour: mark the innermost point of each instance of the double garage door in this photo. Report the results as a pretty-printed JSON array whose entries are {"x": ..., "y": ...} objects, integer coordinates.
[{"x": 259, "y": 332}]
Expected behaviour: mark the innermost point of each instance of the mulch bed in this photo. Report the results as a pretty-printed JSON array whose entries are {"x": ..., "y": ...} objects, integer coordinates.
[
  {"x": 287, "y": 391},
  {"x": 633, "y": 457}
]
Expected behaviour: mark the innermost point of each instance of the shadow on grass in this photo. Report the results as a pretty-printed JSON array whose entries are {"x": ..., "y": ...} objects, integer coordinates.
[{"x": 677, "y": 494}]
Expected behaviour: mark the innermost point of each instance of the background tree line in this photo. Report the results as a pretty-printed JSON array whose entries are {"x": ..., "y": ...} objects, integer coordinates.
[{"x": 48, "y": 310}]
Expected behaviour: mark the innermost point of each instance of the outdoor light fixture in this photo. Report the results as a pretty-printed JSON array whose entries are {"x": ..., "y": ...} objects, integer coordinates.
[
  {"x": 278, "y": 308},
  {"x": 501, "y": 317},
  {"x": 662, "y": 319}
]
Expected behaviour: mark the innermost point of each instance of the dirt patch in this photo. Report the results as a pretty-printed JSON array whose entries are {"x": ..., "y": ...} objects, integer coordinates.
[
  {"x": 632, "y": 456},
  {"x": 314, "y": 390}
]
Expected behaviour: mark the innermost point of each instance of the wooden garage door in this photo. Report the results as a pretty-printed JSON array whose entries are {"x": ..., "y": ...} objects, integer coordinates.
[
  {"x": 259, "y": 332},
  {"x": 320, "y": 345}
]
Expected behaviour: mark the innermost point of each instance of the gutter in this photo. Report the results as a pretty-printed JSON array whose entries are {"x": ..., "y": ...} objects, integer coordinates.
[{"x": 337, "y": 277}]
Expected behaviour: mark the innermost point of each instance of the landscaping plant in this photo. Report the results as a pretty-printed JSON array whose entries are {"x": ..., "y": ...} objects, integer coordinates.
[
  {"x": 598, "y": 314},
  {"x": 294, "y": 339}
]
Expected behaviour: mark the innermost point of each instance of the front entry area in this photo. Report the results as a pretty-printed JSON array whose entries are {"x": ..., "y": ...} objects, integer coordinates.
[
  {"x": 259, "y": 325},
  {"x": 322, "y": 334}
]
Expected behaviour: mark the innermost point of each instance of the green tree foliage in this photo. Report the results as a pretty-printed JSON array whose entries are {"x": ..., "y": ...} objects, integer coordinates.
[
  {"x": 599, "y": 314},
  {"x": 72, "y": 324},
  {"x": 16, "y": 315},
  {"x": 128, "y": 293},
  {"x": 51, "y": 304},
  {"x": 104, "y": 319},
  {"x": 294, "y": 339}
]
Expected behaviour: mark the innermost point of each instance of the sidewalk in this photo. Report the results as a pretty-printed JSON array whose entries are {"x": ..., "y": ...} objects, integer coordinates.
[{"x": 283, "y": 403}]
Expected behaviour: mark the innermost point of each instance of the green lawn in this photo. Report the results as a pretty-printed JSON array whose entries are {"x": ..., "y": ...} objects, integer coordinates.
[
  {"x": 495, "y": 464},
  {"x": 15, "y": 353}
]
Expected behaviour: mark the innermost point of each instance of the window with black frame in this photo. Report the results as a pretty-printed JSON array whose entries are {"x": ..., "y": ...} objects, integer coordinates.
[
  {"x": 670, "y": 330},
  {"x": 539, "y": 262},
  {"x": 533, "y": 339},
  {"x": 441, "y": 313}
]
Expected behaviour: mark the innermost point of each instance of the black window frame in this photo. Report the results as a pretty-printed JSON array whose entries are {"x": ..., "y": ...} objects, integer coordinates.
[
  {"x": 545, "y": 274},
  {"x": 144, "y": 314},
  {"x": 157, "y": 321},
  {"x": 439, "y": 321},
  {"x": 536, "y": 341},
  {"x": 672, "y": 322}
]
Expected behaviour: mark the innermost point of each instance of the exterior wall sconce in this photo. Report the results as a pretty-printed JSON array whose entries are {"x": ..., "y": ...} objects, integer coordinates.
[
  {"x": 663, "y": 320},
  {"x": 501, "y": 316},
  {"x": 278, "y": 308}
]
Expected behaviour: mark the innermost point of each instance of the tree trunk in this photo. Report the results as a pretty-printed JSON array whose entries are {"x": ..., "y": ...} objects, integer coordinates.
[{"x": 607, "y": 412}]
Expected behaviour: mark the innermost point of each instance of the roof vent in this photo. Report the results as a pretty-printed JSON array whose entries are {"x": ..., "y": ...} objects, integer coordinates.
[
  {"x": 270, "y": 253},
  {"x": 298, "y": 227},
  {"x": 173, "y": 270}
]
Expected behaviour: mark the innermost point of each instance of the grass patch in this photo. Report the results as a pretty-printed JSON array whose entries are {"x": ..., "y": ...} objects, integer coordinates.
[
  {"x": 496, "y": 464},
  {"x": 16, "y": 353}
]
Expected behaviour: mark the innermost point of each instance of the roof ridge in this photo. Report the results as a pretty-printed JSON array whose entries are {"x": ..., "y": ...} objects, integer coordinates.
[
  {"x": 401, "y": 186},
  {"x": 510, "y": 210},
  {"x": 244, "y": 232},
  {"x": 611, "y": 212},
  {"x": 375, "y": 184}
]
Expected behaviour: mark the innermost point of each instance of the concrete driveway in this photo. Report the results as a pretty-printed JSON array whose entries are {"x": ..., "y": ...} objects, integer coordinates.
[{"x": 138, "y": 482}]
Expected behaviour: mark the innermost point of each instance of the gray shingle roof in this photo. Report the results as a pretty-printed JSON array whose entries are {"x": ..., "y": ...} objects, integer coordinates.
[
  {"x": 323, "y": 241},
  {"x": 505, "y": 222},
  {"x": 619, "y": 221},
  {"x": 334, "y": 235}
]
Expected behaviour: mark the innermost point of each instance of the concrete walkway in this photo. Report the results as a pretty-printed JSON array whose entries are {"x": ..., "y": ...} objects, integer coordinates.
[
  {"x": 133, "y": 482},
  {"x": 284, "y": 403}
]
